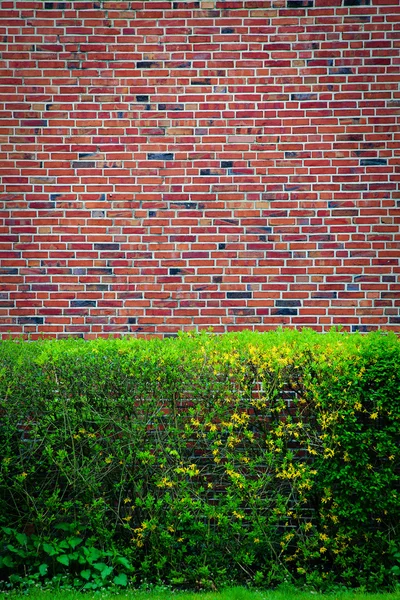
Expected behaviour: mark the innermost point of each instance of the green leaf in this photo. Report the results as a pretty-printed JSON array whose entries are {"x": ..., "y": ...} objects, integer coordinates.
[
  {"x": 43, "y": 569},
  {"x": 104, "y": 569},
  {"x": 73, "y": 555},
  {"x": 74, "y": 541},
  {"x": 107, "y": 572},
  {"x": 63, "y": 559},
  {"x": 90, "y": 586},
  {"x": 100, "y": 566},
  {"x": 86, "y": 573},
  {"x": 49, "y": 549},
  {"x": 396, "y": 570},
  {"x": 7, "y": 530},
  {"x": 92, "y": 554},
  {"x": 21, "y": 538},
  {"x": 121, "y": 579},
  {"x": 121, "y": 560},
  {"x": 7, "y": 561}
]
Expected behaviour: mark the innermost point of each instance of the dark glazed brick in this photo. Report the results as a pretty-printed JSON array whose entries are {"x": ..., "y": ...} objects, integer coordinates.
[
  {"x": 161, "y": 156},
  {"x": 281, "y": 303},
  {"x": 206, "y": 81},
  {"x": 58, "y": 5},
  {"x": 356, "y": 2},
  {"x": 324, "y": 295},
  {"x": 175, "y": 271},
  {"x": 172, "y": 107},
  {"x": 195, "y": 4},
  {"x": 88, "y": 164},
  {"x": 365, "y": 162},
  {"x": 341, "y": 71},
  {"x": 285, "y": 311},
  {"x": 233, "y": 295},
  {"x": 226, "y": 164},
  {"x": 208, "y": 172},
  {"x": 221, "y": 246},
  {"x": 303, "y": 97},
  {"x": 8, "y": 271},
  {"x": 83, "y": 303},
  {"x": 142, "y": 98},
  {"x": 227, "y": 30},
  {"x": 144, "y": 64},
  {"x": 132, "y": 320},
  {"x": 30, "y": 320},
  {"x": 299, "y": 3},
  {"x": 106, "y": 246}
]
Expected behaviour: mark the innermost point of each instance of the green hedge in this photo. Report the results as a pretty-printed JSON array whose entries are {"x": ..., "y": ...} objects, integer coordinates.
[{"x": 249, "y": 458}]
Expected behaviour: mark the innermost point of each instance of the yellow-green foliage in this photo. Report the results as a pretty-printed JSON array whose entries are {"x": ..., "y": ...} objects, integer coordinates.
[{"x": 203, "y": 459}]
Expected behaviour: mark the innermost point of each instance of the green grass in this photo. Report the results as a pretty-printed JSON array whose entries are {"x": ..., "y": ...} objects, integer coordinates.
[{"x": 237, "y": 593}]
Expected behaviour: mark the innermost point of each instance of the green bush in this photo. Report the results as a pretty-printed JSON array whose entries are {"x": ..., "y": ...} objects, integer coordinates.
[{"x": 243, "y": 458}]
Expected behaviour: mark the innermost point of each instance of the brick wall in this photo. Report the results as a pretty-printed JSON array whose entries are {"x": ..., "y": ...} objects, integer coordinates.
[{"x": 174, "y": 165}]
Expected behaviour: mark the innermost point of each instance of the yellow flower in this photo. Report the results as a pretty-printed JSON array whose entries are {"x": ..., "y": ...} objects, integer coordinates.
[
  {"x": 322, "y": 550},
  {"x": 335, "y": 518},
  {"x": 238, "y": 515},
  {"x": 374, "y": 415},
  {"x": 256, "y": 541},
  {"x": 329, "y": 452}
]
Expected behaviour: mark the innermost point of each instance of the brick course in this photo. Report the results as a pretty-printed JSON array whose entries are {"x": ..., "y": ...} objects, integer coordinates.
[{"x": 178, "y": 165}]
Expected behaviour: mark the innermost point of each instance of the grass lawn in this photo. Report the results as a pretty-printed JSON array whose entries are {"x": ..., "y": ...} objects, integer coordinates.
[{"x": 237, "y": 593}]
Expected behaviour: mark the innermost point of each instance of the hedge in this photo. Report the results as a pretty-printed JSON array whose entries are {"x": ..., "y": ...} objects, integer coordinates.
[{"x": 249, "y": 458}]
